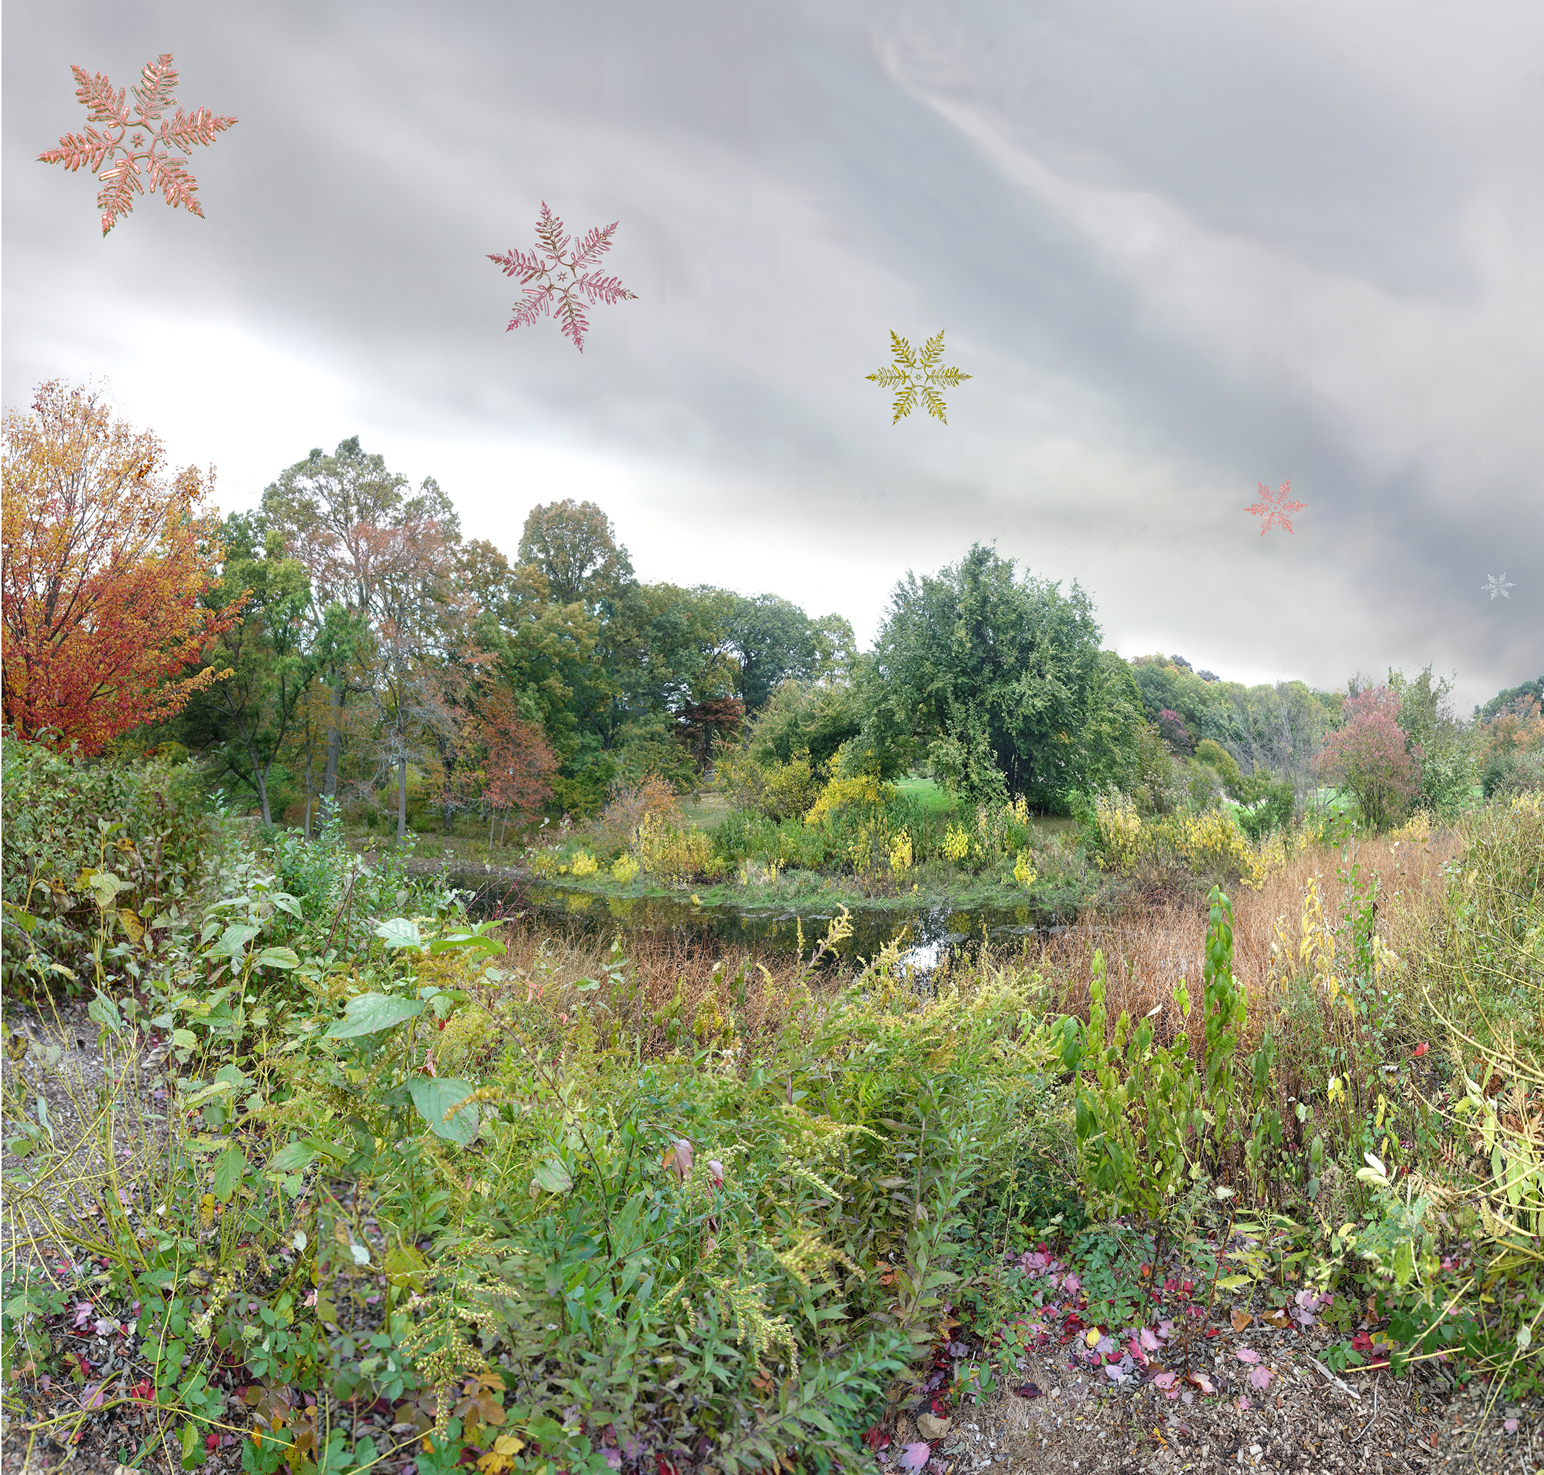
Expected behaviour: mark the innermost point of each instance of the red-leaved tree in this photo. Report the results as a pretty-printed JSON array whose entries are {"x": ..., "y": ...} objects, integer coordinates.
[
  {"x": 1370, "y": 755},
  {"x": 106, "y": 557},
  {"x": 506, "y": 761}
]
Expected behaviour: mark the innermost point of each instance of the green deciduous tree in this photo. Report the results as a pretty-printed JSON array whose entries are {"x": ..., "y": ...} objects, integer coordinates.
[
  {"x": 575, "y": 547},
  {"x": 1004, "y": 680},
  {"x": 249, "y": 715}
]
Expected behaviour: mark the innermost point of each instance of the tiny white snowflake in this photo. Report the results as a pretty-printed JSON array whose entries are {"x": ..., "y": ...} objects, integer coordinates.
[{"x": 1498, "y": 586}]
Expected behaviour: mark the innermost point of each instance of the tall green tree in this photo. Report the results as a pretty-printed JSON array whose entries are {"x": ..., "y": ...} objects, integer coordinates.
[
  {"x": 772, "y": 640},
  {"x": 248, "y": 717},
  {"x": 346, "y": 517},
  {"x": 574, "y": 545},
  {"x": 1003, "y": 679}
]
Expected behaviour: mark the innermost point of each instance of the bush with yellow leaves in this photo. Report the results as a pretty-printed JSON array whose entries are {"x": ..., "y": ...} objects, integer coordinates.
[
  {"x": 860, "y": 790},
  {"x": 671, "y": 852},
  {"x": 624, "y": 869}
]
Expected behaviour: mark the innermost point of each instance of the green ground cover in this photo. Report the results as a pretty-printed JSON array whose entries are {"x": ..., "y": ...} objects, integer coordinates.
[{"x": 365, "y": 1180}]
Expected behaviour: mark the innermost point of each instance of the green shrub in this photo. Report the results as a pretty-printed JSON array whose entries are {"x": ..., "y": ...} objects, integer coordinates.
[{"x": 91, "y": 845}]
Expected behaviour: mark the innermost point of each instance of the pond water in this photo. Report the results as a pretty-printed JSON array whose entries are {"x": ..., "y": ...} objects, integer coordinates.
[{"x": 928, "y": 931}]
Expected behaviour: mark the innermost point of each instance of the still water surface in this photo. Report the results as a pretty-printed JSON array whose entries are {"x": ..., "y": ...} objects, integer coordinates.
[{"x": 926, "y": 931}]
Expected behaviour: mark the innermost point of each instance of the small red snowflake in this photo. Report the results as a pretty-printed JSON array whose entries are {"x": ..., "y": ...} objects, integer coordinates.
[{"x": 1275, "y": 508}]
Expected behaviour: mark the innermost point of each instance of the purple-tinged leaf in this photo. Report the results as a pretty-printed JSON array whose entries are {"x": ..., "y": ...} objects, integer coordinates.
[{"x": 914, "y": 1456}]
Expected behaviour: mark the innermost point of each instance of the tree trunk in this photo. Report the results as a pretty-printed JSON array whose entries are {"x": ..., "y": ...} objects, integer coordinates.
[
  {"x": 334, "y": 740},
  {"x": 260, "y": 776},
  {"x": 401, "y": 799}
]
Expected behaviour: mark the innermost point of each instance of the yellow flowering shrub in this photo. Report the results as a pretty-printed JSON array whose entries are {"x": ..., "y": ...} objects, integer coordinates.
[
  {"x": 1024, "y": 870},
  {"x": 900, "y": 853},
  {"x": 956, "y": 843},
  {"x": 547, "y": 864},
  {"x": 584, "y": 864}
]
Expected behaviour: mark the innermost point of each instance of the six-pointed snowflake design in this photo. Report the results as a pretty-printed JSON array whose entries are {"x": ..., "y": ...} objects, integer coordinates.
[
  {"x": 121, "y": 180},
  {"x": 1498, "y": 586},
  {"x": 1275, "y": 507},
  {"x": 551, "y": 277},
  {"x": 912, "y": 375}
]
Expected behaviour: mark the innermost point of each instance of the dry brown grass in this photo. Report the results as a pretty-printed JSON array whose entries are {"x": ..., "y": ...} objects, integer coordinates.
[
  {"x": 1148, "y": 949},
  {"x": 667, "y": 973}
]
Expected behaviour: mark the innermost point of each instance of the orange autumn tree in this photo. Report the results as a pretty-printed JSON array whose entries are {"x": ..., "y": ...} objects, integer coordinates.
[{"x": 106, "y": 558}]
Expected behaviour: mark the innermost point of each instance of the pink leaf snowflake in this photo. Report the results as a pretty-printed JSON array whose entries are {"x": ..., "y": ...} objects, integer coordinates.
[
  {"x": 133, "y": 164},
  {"x": 556, "y": 270},
  {"x": 1275, "y": 507}
]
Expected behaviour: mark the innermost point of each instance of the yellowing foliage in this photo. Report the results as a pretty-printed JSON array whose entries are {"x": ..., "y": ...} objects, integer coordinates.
[
  {"x": 864, "y": 789},
  {"x": 624, "y": 869}
]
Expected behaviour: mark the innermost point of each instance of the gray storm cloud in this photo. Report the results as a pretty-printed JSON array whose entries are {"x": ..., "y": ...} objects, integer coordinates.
[{"x": 1180, "y": 253}]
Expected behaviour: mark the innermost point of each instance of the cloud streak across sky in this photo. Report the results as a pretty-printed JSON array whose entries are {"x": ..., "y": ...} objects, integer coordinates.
[{"x": 1181, "y": 249}]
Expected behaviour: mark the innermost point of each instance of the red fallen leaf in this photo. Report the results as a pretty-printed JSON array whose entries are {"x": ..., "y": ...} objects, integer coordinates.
[
  {"x": 914, "y": 1457},
  {"x": 1421, "y": 1049},
  {"x": 1361, "y": 1342},
  {"x": 1026, "y": 1390},
  {"x": 876, "y": 1438}
]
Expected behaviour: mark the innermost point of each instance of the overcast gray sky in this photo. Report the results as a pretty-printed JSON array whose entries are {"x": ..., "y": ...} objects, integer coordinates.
[{"x": 1181, "y": 248}]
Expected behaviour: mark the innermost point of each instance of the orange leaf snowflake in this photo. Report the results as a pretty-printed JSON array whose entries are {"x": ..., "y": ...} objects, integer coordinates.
[
  {"x": 134, "y": 165},
  {"x": 551, "y": 277},
  {"x": 1274, "y": 507}
]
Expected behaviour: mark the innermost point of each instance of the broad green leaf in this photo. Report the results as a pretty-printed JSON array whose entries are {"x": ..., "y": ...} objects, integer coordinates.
[
  {"x": 551, "y": 1177},
  {"x": 278, "y": 957},
  {"x": 228, "y": 1168},
  {"x": 328, "y": 1149},
  {"x": 434, "y": 1096},
  {"x": 405, "y": 1266},
  {"x": 184, "y": 1039},
  {"x": 103, "y": 1011},
  {"x": 291, "y": 1159},
  {"x": 487, "y": 945},
  {"x": 368, "y": 1014},
  {"x": 25, "y": 920},
  {"x": 398, "y": 932},
  {"x": 234, "y": 939}
]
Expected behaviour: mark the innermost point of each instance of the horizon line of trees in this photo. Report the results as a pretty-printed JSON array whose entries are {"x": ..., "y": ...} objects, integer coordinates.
[{"x": 343, "y": 642}]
